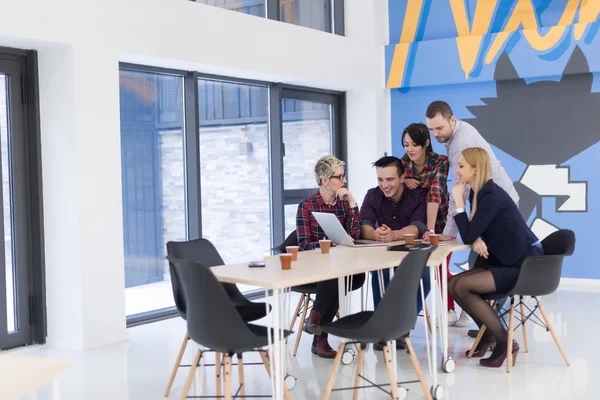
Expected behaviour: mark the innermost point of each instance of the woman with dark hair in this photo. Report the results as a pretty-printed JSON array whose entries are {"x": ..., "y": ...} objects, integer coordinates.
[{"x": 426, "y": 169}]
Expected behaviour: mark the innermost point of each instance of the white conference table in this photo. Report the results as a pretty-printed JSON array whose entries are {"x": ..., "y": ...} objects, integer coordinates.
[{"x": 342, "y": 261}]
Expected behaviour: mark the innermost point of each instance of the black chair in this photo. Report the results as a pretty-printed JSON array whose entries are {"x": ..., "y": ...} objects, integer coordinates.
[
  {"x": 394, "y": 317},
  {"x": 214, "y": 323},
  {"x": 539, "y": 276},
  {"x": 202, "y": 250}
]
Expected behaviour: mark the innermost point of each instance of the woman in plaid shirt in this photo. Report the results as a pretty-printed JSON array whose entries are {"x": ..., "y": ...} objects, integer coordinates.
[{"x": 426, "y": 169}]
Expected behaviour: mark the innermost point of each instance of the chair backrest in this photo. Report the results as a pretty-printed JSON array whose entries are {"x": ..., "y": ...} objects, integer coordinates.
[
  {"x": 211, "y": 316},
  {"x": 290, "y": 240},
  {"x": 561, "y": 242},
  {"x": 540, "y": 275},
  {"x": 203, "y": 251},
  {"x": 396, "y": 314}
]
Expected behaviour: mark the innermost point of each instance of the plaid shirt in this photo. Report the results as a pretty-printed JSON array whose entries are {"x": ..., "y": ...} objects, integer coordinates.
[
  {"x": 308, "y": 229},
  {"x": 433, "y": 177},
  {"x": 377, "y": 209}
]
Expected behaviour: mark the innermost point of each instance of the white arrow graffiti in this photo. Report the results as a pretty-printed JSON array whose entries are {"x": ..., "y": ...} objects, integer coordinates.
[{"x": 550, "y": 180}]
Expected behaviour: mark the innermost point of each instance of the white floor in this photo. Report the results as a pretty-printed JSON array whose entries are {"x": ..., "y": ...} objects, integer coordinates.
[{"x": 139, "y": 369}]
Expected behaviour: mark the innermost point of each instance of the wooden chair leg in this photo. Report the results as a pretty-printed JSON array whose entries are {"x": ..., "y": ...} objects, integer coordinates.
[
  {"x": 300, "y": 302},
  {"x": 218, "y": 368},
  {"x": 359, "y": 363},
  {"x": 333, "y": 373},
  {"x": 417, "y": 367},
  {"x": 265, "y": 360},
  {"x": 387, "y": 355},
  {"x": 523, "y": 320},
  {"x": 227, "y": 374},
  {"x": 477, "y": 340},
  {"x": 190, "y": 378},
  {"x": 302, "y": 319},
  {"x": 480, "y": 334},
  {"x": 427, "y": 316},
  {"x": 553, "y": 333},
  {"x": 241, "y": 375},
  {"x": 509, "y": 355},
  {"x": 177, "y": 362}
]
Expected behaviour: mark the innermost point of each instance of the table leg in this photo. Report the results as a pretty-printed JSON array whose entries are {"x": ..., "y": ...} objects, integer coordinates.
[{"x": 433, "y": 326}]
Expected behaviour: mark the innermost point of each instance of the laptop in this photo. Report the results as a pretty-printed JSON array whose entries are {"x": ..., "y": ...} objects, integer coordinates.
[{"x": 338, "y": 235}]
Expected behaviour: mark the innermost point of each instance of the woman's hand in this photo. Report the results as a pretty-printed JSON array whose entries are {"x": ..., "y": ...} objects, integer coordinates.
[
  {"x": 344, "y": 194},
  {"x": 411, "y": 183},
  {"x": 480, "y": 248},
  {"x": 458, "y": 193}
]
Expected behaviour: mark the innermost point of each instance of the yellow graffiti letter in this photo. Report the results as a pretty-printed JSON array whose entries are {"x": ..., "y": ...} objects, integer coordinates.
[
  {"x": 525, "y": 14},
  {"x": 588, "y": 12},
  {"x": 409, "y": 30},
  {"x": 469, "y": 40}
]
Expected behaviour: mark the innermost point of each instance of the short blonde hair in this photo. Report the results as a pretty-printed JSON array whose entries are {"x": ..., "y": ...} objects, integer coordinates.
[
  {"x": 326, "y": 166},
  {"x": 479, "y": 159}
]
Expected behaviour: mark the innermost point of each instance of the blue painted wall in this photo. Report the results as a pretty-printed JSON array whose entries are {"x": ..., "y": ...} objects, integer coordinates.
[{"x": 433, "y": 70}]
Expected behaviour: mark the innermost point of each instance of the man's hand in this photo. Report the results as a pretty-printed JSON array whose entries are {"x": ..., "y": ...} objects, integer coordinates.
[
  {"x": 458, "y": 193},
  {"x": 384, "y": 234},
  {"x": 411, "y": 183},
  {"x": 344, "y": 194},
  {"x": 445, "y": 237},
  {"x": 480, "y": 248}
]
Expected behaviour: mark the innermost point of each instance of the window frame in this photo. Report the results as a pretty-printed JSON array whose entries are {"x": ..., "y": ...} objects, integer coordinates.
[
  {"x": 193, "y": 184},
  {"x": 337, "y": 14}
]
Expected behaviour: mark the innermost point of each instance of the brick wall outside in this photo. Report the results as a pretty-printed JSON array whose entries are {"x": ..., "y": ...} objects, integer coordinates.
[{"x": 235, "y": 183}]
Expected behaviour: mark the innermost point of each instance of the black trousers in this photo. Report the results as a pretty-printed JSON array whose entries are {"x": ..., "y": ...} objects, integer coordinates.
[{"x": 327, "y": 299}]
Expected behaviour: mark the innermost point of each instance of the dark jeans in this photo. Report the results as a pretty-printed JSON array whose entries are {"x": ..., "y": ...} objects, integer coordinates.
[
  {"x": 386, "y": 281},
  {"x": 327, "y": 299}
]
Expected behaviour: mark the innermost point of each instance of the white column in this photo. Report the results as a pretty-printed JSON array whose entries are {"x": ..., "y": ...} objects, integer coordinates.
[{"x": 81, "y": 166}]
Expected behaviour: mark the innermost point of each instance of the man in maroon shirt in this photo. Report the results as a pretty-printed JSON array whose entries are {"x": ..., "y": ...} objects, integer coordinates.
[
  {"x": 389, "y": 211},
  {"x": 332, "y": 197}
]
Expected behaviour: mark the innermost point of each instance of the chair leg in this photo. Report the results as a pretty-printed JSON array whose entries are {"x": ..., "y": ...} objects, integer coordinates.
[
  {"x": 387, "y": 355},
  {"x": 426, "y": 310},
  {"x": 190, "y": 378},
  {"x": 265, "y": 360},
  {"x": 333, "y": 373},
  {"x": 511, "y": 323},
  {"x": 553, "y": 333},
  {"x": 227, "y": 377},
  {"x": 523, "y": 320},
  {"x": 359, "y": 363},
  {"x": 300, "y": 302},
  {"x": 241, "y": 375},
  {"x": 177, "y": 362},
  {"x": 480, "y": 334},
  {"x": 417, "y": 367},
  {"x": 303, "y": 318},
  {"x": 218, "y": 369}
]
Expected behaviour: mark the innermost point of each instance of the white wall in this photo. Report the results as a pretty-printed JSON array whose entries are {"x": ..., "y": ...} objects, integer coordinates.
[{"x": 80, "y": 45}]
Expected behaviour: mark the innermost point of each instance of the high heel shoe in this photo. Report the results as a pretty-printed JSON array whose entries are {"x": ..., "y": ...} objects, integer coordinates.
[
  {"x": 482, "y": 348},
  {"x": 496, "y": 362}
]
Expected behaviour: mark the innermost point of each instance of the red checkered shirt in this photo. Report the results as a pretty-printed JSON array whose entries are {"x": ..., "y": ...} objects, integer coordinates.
[
  {"x": 433, "y": 177},
  {"x": 307, "y": 228}
]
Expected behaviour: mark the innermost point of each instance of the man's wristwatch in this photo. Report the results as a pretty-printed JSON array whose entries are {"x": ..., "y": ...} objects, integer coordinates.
[{"x": 431, "y": 230}]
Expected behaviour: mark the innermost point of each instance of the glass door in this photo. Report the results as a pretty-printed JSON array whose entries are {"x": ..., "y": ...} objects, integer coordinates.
[
  {"x": 16, "y": 301},
  {"x": 309, "y": 125}
]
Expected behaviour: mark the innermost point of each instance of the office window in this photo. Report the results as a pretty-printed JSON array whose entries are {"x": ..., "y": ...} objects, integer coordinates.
[
  {"x": 323, "y": 15},
  {"x": 153, "y": 180},
  {"x": 314, "y": 14},
  {"x": 252, "y": 7},
  {"x": 234, "y": 168}
]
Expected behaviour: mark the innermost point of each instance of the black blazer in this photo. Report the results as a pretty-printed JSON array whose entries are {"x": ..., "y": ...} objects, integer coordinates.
[{"x": 498, "y": 221}]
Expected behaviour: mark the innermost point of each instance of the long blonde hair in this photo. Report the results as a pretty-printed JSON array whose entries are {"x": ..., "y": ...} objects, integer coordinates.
[{"x": 479, "y": 159}]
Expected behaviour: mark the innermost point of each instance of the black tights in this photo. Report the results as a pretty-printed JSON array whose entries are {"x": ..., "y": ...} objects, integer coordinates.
[{"x": 467, "y": 289}]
